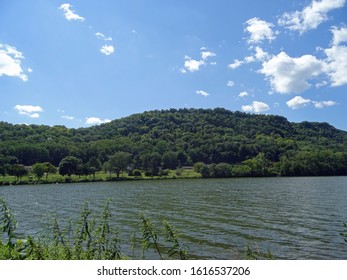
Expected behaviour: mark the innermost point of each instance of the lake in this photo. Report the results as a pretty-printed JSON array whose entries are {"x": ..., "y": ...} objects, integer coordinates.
[{"x": 294, "y": 218}]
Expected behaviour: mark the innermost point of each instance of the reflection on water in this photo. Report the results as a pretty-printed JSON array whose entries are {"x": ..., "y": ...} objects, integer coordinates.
[{"x": 294, "y": 218}]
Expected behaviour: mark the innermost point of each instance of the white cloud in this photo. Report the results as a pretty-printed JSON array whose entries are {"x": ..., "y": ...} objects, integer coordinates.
[
  {"x": 107, "y": 49},
  {"x": 339, "y": 35},
  {"x": 256, "y": 107},
  {"x": 236, "y": 64},
  {"x": 10, "y": 62},
  {"x": 203, "y": 93},
  {"x": 311, "y": 16},
  {"x": 96, "y": 121},
  {"x": 101, "y": 36},
  {"x": 70, "y": 14},
  {"x": 337, "y": 57},
  {"x": 230, "y": 83},
  {"x": 260, "y": 54},
  {"x": 191, "y": 65},
  {"x": 287, "y": 74},
  {"x": 243, "y": 94},
  {"x": 206, "y": 54},
  {"x": 298, "y": 102},
  {"x": 29, "y": 110},
  {"x": 259, "y": 30},
  {"x": 322, "y": 104}
]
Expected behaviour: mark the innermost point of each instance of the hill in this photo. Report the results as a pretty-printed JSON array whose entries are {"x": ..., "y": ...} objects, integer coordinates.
[{"x": 173, "y": 138}]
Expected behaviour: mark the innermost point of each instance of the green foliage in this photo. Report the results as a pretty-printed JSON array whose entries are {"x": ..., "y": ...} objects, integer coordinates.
[
  {"x": 69, "y": 165},
  {"x": 88, "y": 238},
  {"x": 169, "y": 139},
  {"x": 17, "y": 170},
  {"x": 119, "y": 161},
  {"x": 149, "y": 237},
  {"x": 8, "y": 223},
  {"x": 173, "y": 237},
  {"x": 39, "y": 170},
  {"x": 137, "y": 173}
]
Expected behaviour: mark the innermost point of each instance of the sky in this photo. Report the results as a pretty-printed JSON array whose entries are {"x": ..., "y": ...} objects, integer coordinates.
[{"x": 83, "y": 63}]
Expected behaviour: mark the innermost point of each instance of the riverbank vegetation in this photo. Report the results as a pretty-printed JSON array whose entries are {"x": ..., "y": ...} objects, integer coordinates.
[
  {"x": 90, "y": 237},
  {"x": 218, "y": 143}
]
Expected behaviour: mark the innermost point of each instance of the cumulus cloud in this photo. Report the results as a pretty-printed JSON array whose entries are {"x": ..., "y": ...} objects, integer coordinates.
[
  {"x": 260, "y": 54},
  {"x": 311, "y": 16},
  {"x": 107, "y": 49},
  {"x": 96, "y": 121},
  {"x": 206, "y": 54},
  {"x": 256, "y": 107},
  {"x": 298, "y": 102},
  {"x": 70, "y": 14},
  {"x": 287, "y": 74},
  {"x": 193, "y": 65},
  {"x": 10, "y": 63},
  {"x": 203, "y": 93},
  {"x": 29, "y": 110},
  {"x": 337, "y": 57},
  {"x": 243, "y": 94},
  {"x": 259, "y": 30}
]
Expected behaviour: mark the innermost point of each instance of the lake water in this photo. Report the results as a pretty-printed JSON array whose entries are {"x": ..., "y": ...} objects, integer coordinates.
[{"x": 294, "y": 218}]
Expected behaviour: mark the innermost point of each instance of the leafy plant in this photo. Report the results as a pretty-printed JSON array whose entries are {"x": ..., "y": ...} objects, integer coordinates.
[
  {"x": 177, "y": 248},
  {"x": 149, "y": 237},
  {"x": 8, "y": 223}
]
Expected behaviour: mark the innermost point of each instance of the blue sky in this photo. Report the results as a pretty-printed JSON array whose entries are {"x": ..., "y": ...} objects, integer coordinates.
[{"x": 81, "y": 63}]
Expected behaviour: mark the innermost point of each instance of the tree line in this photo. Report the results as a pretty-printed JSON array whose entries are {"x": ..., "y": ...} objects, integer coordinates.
[{"x": 240, "y": 144}]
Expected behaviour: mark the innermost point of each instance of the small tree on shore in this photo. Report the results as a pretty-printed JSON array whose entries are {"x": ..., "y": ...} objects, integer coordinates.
[{"x": 69, "y": 165}]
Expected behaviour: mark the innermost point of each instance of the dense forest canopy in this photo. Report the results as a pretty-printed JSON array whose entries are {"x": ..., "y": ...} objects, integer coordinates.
[{"x": 254, "y": 144}]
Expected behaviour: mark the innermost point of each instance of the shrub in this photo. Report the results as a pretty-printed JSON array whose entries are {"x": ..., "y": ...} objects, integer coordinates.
[{"x": 137, "y": 173}]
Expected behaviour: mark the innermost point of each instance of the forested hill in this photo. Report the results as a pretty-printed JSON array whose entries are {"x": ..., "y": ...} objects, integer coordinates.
[{"x": 184, "y": 137}]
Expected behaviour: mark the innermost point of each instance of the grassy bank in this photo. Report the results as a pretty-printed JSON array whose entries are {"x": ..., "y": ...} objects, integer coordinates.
[{"x": 99, "y": 177}]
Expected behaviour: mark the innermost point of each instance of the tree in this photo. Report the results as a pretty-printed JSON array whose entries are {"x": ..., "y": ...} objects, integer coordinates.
[
  {"x": 119, "y": 161},
  {"x": 94, "y": 165},
  {"x": 17, "y": 170},
  {"x": 39, "y": 170},
  {"x": 49, "y": 169},
  {"x": 69, "y": 165},
  {"x": 170, "y": 160},
  {"x": 2, "y": 165}
]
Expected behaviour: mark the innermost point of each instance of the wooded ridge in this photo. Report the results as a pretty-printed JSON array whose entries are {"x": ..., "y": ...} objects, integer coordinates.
[{"x": 220, "y": 143}]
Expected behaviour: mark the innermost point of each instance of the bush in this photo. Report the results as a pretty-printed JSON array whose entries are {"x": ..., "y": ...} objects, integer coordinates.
[
  {"x": 179, "y": 171},
  {"x": 137, "y": 173}
]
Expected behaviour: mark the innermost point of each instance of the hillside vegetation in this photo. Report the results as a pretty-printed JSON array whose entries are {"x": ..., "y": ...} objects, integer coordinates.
[{"x": 220, "y": 143}]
